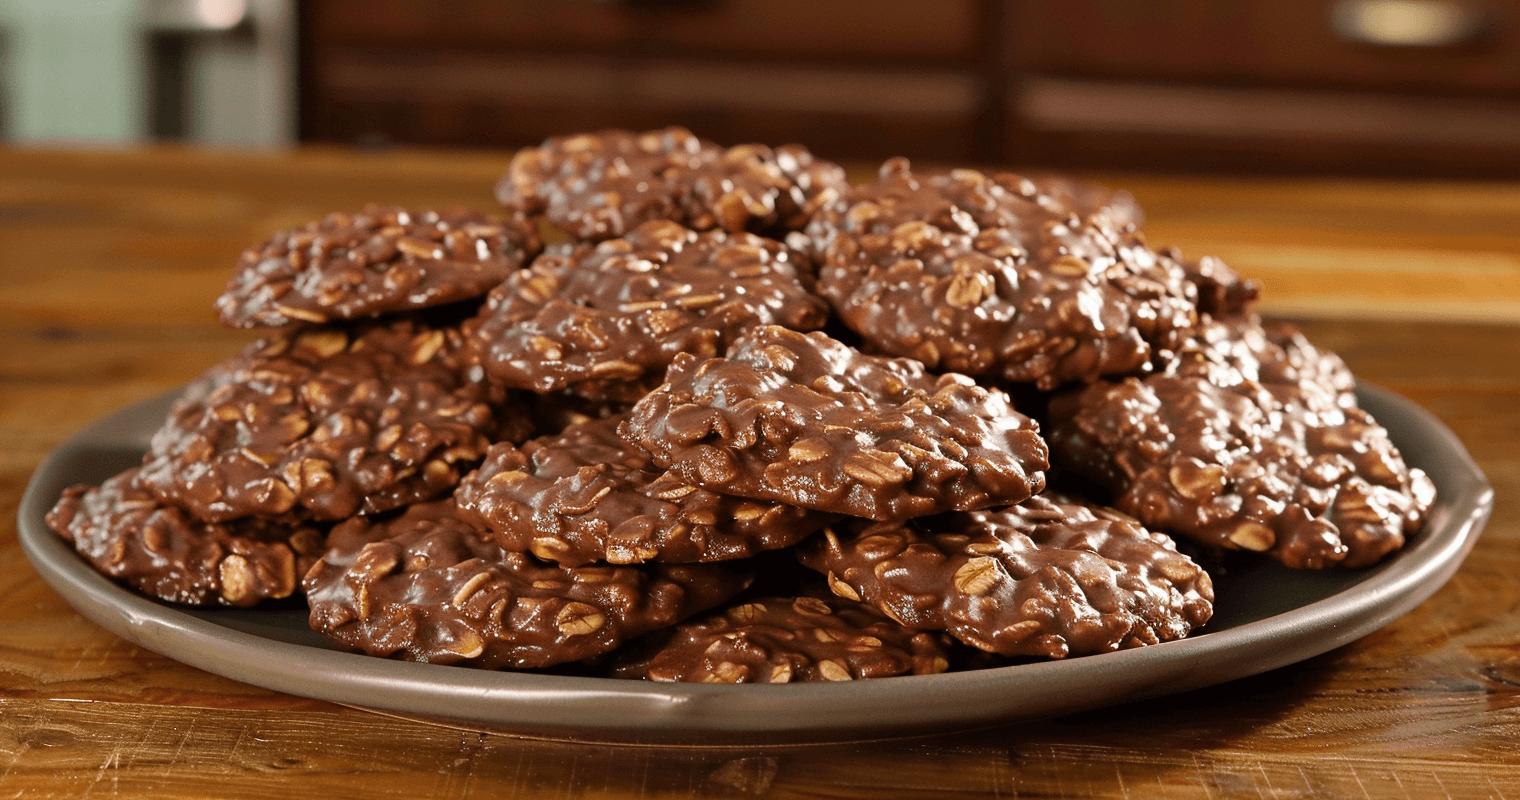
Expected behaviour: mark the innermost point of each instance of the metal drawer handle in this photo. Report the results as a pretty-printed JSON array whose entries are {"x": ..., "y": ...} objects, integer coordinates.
[{"x": 1409, "y": 23}]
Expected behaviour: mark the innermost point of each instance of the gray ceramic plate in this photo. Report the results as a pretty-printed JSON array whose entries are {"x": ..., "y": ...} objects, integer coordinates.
[{"x": 1267, "y": 617}]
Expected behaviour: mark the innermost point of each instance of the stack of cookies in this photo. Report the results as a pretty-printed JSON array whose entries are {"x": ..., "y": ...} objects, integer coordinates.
[{"x": 744, "y": 422}]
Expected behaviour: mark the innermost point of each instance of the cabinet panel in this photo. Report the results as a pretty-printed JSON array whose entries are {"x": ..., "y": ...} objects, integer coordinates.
[
  {"x": 496, "y": 23},
  {"x": 877, "y": 30},
  {"x": 870, "y": 29},
  {"x": 1236, "y": 85},
  {"x": 512, "y": 100},
  {"x": 1085, "y": 123},
  {"x": 1294, "y": 42}
]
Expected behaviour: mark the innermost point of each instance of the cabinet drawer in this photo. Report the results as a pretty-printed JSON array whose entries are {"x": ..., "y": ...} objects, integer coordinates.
[
  {"x": 875, "y": 29},
  {"x": 507, "y": 23},
  {"x": 867, "y": 29},
  {"x": 507, "y": 99},
  {"x": 1285, "y": 42}
]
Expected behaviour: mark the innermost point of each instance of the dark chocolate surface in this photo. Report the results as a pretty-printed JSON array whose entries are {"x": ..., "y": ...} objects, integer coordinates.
[
  {"x": 585, "y": 495},
  {"x": 326, "y": 423},
  {"x": 1249, "y": 439},
  {"x": 606, "y": 321},
  {"x": 1046, "y": 281},
  {"x": 788, "y": 640},
  {"x": 429, "y": 586},
  {"x": 603, "y": 185},
  {"x": 804, "y": 420},
  {"x": 1239, "y": 349},
  {"x": 380, "y": 260},
  {"x": 129, "y": 535},
  {"x": 1222, "y": 292},
  {"x": 1048, "y": 577}
]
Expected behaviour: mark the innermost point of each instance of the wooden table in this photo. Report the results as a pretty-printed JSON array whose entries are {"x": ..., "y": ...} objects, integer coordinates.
[{"x": 108, "y": 264}]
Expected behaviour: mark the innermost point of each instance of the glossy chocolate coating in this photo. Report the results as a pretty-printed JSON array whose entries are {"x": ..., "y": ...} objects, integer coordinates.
[
  {"x": 128, "y": 534},
  {"x": 1250, "y": 439},
  {"x": 1044, "y": 281},
  {"x": 1048, "y": 577},
  {"x": 430, "y": 586},
  {"x": 1222, "y": 292},
  {"x": 381, "y": 260},
  {"x": 327, "y": 423},
  {"x": 585, "y": 495},
  {"x": 788, "y": 640},
  {"x": 603, "y": 185},
  {"x": 605, "y": 322},
  {"x": 804, "y": 420}
]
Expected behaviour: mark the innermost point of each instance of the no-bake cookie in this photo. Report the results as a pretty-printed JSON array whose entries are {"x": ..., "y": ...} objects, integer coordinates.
[
  {"x": 605, "y": 322},
  {"x": 326, "y": 423},
  {"x": 585, "y": 495},
  {"x": 381, "y": 260},
  {"x": 1045, "y": 281},
  {"x": 430, "y": 586},
  {"x": 1222, "y": 292},
  {"x": 804, "y": 420},
  {"x": 130, "y": 535},
  {"x": 788, "y": 640},
  {"x": 1249, "y": 440},
  {"x": 602, "y": 185},
  {"x": 1048, "y": 577}
]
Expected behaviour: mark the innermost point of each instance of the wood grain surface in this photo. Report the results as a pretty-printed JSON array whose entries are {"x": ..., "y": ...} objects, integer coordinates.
[{"x": 108, "y": 263}]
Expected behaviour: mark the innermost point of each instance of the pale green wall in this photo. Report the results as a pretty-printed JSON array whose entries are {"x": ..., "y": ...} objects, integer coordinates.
[{"x": 77, "y": 70}]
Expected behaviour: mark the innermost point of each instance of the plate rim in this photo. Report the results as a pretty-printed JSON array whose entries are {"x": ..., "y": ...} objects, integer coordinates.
[{"x": 555, "y": 705}]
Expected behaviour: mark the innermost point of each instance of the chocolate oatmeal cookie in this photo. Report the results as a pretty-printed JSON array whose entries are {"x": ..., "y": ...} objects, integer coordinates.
[
  {"x": 381, "y": 260},
  {"x": 1048, "y": 577},
  {"x": 804, "y": 420},
  {"x": 1240, "y": 348},
  {"x": 128, "y": 534},
  {"x": 429, "y": 586},
  {"x": 1043, "y": 281},
  {"x": 605, "y": 322},
  {"x": 585, "y": 495},
  {"x": 1250, "y": 440},
  {"x": 325, "y": 423},
  {"x": 603, "y": 185},
  {"x": 1221, "y": 291},
  {"x": 787, "y": 640}
]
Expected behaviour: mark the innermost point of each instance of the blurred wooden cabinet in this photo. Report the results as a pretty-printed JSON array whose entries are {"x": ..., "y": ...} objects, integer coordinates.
[
  {"x": 854, "y": 77},
  {"x": 1380, "y": 86},
  {"x": 1401, "y": 86}
]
